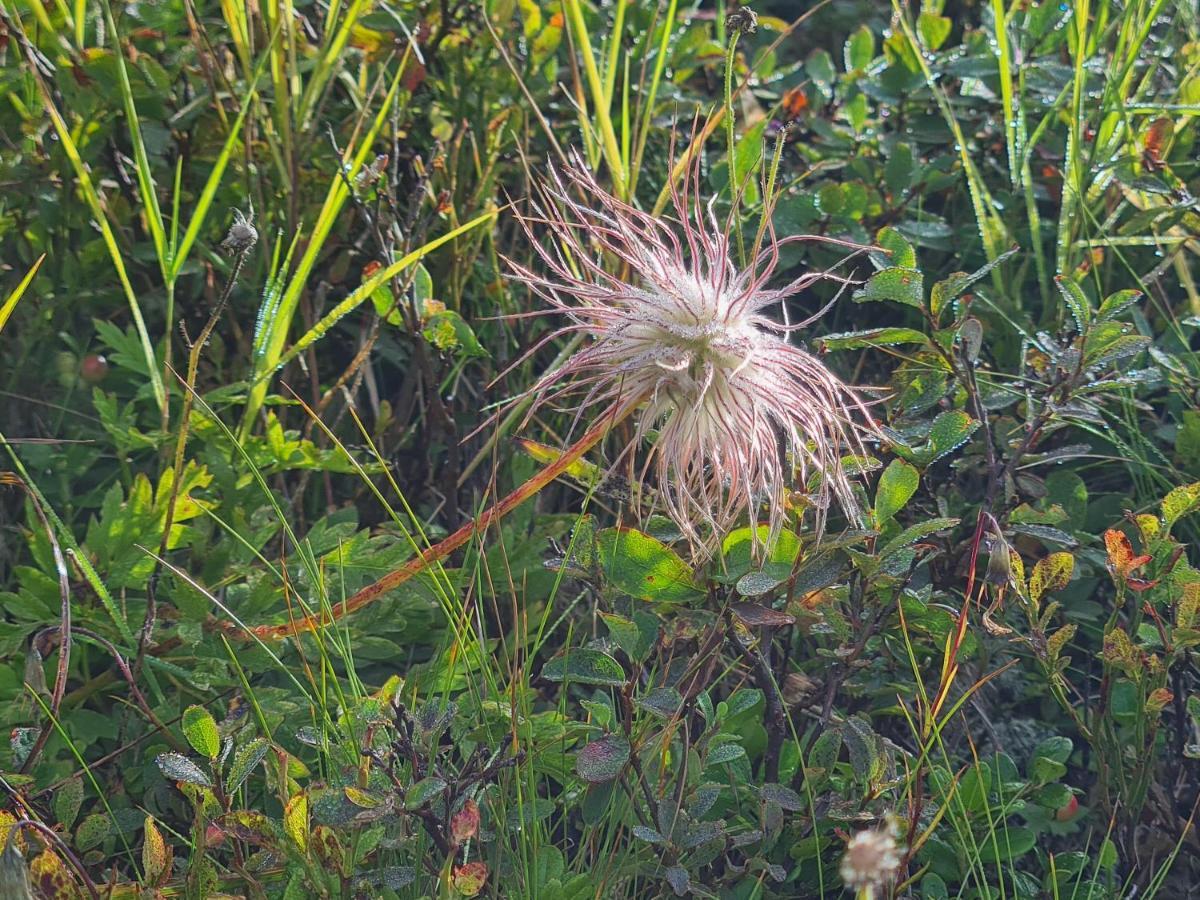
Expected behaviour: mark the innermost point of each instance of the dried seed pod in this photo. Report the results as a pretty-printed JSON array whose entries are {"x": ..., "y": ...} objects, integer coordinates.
[{"x": 242, "y": 234}]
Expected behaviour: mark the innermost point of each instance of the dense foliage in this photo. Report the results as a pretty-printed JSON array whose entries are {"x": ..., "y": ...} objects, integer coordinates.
[{"x": 261, "y": 347}]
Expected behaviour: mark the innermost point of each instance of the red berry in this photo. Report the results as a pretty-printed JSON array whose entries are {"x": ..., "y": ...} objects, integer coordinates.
[
  {"x": 93, "y": 368},
  {"x": 1067, "y": 811}
]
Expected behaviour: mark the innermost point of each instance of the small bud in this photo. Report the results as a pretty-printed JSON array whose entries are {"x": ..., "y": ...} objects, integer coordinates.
[
  {"x": 242, "y": 234},
  {"x": 742, "y": 21}
]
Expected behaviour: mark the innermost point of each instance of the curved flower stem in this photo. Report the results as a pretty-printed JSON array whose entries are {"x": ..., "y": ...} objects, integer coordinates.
[{"x": 446, "y": 546}]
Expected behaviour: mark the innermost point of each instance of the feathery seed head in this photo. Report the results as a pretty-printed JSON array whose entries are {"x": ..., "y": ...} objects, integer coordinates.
[
  {"x": 871, "y": 858},
  {"x": 683, "y": 333}
]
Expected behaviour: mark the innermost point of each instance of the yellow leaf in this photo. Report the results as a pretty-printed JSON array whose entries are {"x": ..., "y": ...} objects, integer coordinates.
[
  {"x": 295, "y": 820},
  {"x": 1050, "y": 574},
  {"x": 581, "y": 469},
  {"x": 156, "y": 855}
]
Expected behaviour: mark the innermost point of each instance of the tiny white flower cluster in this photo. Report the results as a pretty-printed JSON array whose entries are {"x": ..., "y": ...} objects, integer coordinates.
[{"x": 872, "y": 857}]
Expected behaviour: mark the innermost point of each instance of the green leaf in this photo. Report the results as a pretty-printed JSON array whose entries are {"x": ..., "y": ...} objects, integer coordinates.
[
  {"x": 896, "y": 284},
  {"x": 872, "y": 337},
  {"x": 245, "y": 759},
  {"x": 179, "y": 768},
  {"x": 1115, "y": 304},
  {"x": 1180, "y": 502},
  {"x": 933, "y": 29},
  {"x": 603, "y": 759},
  {"x": 897, "y": 484},
  {"x": 585, "y": 666},
  {"x": 634, "y": 636},
  {"x": 900, "y": 251},
  {"x": 1051, "y": 574},
  {"x": 423, "y": 792},
  {"x": 914, "y": 533},
  {"x": 1007, "y": 843},
  {"x": 200, "y": 729},
  {"x": 642, "y": 567},
  {"x": 1077, "y": 301},
  {"x": 860, "y": 49},
  {"x": 898, "y": 172}
]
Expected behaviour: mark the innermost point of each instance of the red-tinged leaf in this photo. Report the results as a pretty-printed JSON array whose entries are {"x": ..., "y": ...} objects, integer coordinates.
[
  {"x": 603, "y": 759},
  {"x": 1159, "y": 699},
  {"x": 469, "y": 879},
  {"x": 1121, "y": 558},
  {"x": 156, "y": 855},
  {"x": 465, "y": 823},
  {"x": 1139, "y": 584}
]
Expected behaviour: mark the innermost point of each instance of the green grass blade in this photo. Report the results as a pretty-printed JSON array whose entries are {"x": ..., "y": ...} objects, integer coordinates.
[
  {"x": 19, "y": 291},
  {"x": 141, "y": 161},
  {"x": 275, "y": 330},
  {"x": 110, "y": 239},
  {"x": 368, "y": 287}
]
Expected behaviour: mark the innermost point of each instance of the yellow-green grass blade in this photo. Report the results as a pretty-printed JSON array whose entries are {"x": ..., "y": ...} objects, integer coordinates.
[{"x": 19, "y": 291}]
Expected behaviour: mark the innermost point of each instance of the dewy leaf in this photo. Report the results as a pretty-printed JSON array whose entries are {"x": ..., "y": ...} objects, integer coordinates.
[
  {"x": 642, "y": 567},
  {"x": 603, "y": 759},
  {"x": 1051, "y": 574},
  {"x": 1077, "y": 302},
  {"x": 900, "y": 252},
  {"x": 872, "y": 337},
  {"x": 1180, "y": 502},
  {"x": 897, "y": 284},
  {"x": 200, "y": 729},
  {"x": 914, "y": 533},
  {"x": 179, "y": 768},
  {"x": 897, "y": 484},
  {"x": 295, "y": 820},
  {"x": 584, "y": 666},
  {"x": 245, "y": 759},
  {"x": 860, "y": 49},
  {"x": 423, "y": 791}
]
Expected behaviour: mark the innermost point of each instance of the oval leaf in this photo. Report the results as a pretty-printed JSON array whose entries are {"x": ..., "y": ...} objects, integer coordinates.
[{"x": 602, "y": 760}]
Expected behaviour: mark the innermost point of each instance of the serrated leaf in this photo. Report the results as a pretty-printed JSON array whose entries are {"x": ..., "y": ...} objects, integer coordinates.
[
  {"x": 647, "y": 834},
  {"x": 896, "y": 284},
  {"x": 725, "y": 753},
  {"x": 900, "y": 251},
  {"x": 646, "y": 568},
  {"x": 67, "y": 800},
  {"x": 177, "y": 767},
  {"x": 896, "y": 486},
  {"x": 585, "y": 666},
  {"x": 1117, "y": 348},
  {"x": 603, "y": 759},
  {"x": 677, "y": 878},
  {"x": 200, "y": 729}
]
